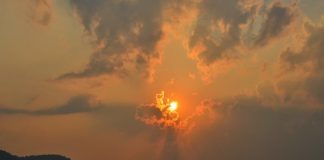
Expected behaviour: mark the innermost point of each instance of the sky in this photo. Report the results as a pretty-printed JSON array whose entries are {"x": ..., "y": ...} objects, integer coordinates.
[{"x": 81, "y": 78}]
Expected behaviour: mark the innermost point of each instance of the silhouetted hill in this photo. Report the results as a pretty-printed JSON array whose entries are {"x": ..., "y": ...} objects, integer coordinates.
[{"x": 7, "y": 156}]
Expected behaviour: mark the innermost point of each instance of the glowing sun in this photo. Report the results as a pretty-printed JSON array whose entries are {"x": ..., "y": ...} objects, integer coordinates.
[{"x": 173, "y": 106}]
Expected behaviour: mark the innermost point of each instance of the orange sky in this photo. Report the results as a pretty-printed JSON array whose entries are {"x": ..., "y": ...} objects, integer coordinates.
[{"x": 74, "y": 72}]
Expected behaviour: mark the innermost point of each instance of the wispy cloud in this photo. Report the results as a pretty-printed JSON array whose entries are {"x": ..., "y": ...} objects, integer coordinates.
[
  {"x": 76, "y": 104},
  {"x": 307, "y": 63},
  {"x": 127, "y": 35},
  {"x": 278, "y": 18}
]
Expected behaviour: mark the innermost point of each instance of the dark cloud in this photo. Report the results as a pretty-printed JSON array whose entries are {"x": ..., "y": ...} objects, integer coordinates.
[
  {"x": 218, "y": 28},
  {"x": 278, "y": 18},
  {"x": 118, "y": 116},
  {"x": 41, "y": 12},
  {"x": 247, "y": 128},
  {"x": 122, "y": 117},
  {"x": 76, "y": 104},
  {"x": 7, "y": 110},
  {"x": 127, "y": 34},
  {"x": 310, "y": 61},
  {"x": 149, "y": 114}
]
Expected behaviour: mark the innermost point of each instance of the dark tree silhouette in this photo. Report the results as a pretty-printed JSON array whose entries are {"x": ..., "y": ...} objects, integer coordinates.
[{"x": 7, "y": 156}]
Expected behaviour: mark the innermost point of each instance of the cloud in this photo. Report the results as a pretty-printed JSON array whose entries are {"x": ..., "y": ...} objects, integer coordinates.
[
  {"x": 244, "y": 127},
  {"x": 121, "y": 117},
  {"x": 248, "y": 128},
  {"x": 218, "y": 29},
  {"x": 42, "y": 13},
  {"x": 125, "y": 119},
  {"x": 225, "y": 31},
  {"x": 277, "y": 122},
  {"x": 278, "y": 18},
  {"x": 112, "y": 126},
  {"x": 308, "y": 63},
  {"x": 127, "y": 36},
  {"x": 76, "y": 104},
  {"x": 217, "y": 35},
  {"x": 117, "y": 116},
  {"x": 150, "y": 114},
  {"x": 126, "y": 39}
]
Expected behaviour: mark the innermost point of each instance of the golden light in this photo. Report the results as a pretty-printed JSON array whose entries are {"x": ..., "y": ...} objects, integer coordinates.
[
  {"x": 173, "y": 106},
  {"x": 168, "y": 109}
]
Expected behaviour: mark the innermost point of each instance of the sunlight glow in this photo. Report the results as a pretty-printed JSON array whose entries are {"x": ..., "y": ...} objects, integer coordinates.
[{"x": 173, "y": 106}]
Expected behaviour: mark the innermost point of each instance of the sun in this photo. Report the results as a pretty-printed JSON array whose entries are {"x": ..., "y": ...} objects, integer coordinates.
[
  {"x": 173, "y": 106},
  {"x": 167, "y": 107}
]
